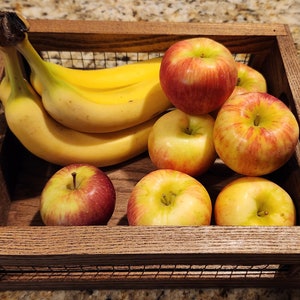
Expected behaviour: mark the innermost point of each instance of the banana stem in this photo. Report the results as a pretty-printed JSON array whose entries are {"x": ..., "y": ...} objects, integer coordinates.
[
  {"x": 35, "y": 61},
  {"x": 14, "y": 72}
]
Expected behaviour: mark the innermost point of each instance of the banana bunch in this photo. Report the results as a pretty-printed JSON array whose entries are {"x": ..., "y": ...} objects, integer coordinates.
[
  {"x": 63, "y": 115},
  {"x": 52, "y": 141},
  {"x": 102, "y": 107}
]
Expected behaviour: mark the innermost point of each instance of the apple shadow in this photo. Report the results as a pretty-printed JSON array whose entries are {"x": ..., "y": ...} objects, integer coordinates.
[
  {"x": 123, "y": 221},
  {"x": 124, "y": 177},
  {"x": 215, "y": 179},
  {"x": 37, "y": 220}
]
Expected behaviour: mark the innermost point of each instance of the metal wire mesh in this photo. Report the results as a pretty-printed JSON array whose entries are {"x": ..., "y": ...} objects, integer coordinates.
[
  {"x": 95, "y": 60},
  {"x": 187, "y": 272}
]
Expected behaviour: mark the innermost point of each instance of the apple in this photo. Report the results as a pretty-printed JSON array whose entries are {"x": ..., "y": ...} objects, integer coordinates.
[
  {"x": 182, "y": 142},
  {"x": 254, "y": 201},
  {"x": 198, "y": 75},
  {"x": 249, "y": 80},
  {"x": 255, "y": 133},
  {"x": 169, "y": 197},
  {"x": 77, "y": 194}
]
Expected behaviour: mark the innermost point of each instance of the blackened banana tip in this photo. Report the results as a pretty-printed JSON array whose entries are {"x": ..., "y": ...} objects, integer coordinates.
[{"x": 12, "y": 28}]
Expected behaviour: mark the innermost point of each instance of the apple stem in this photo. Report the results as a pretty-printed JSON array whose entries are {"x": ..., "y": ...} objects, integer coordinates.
[
  {"x": 188, "y": 131},
  {"x": 74, "y": 180},
  {"x": 165, "y": 200},
  {"x": 262, "y": 213},
  {"x": 256, "y": 120},
  {"x": 168, "y": 199}
]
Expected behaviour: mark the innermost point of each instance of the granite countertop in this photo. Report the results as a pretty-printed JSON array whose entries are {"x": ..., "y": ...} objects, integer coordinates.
[
  {"x": 256, "y": 11},
  {"x": 241, "y": 11}
]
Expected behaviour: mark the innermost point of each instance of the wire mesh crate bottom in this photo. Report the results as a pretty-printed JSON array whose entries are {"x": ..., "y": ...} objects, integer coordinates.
[
  {"x": 148, "y": 271},
  {"x": 147, "y": 276}
]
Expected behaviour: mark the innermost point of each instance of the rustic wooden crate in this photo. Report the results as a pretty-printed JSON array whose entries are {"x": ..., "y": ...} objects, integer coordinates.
[{"x": 33, "y": 256}]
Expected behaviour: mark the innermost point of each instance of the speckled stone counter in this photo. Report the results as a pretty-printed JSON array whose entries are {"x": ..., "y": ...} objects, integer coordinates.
[{"x": 257, "y": 11}]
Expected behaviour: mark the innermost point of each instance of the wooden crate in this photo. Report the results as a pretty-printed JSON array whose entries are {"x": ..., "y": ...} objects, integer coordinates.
[{"x": 33, "y": 256}]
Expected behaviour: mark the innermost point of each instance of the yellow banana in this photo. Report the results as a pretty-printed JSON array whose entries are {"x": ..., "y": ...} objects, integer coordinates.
[
  {"x": 51, "y": 141},
  {"x": 4, "y": 88},
  {"x": 102, "y": 79},
  {"x": 94, "y": 110}
]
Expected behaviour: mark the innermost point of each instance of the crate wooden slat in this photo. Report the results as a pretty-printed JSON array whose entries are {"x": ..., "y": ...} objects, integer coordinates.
[{"x": 33, "y": 256}]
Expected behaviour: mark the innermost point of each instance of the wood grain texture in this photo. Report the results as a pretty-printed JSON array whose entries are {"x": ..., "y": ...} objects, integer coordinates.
[
  {"x": 82, "y": 27},
  {"x": 207, "y": 244},
  {"x": 127, "y": 36}
]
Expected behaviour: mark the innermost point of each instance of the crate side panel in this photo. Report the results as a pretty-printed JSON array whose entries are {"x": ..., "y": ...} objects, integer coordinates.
[
  {"x": 124, "y": 245},
  {"x": 148, "y": 36},
  {"x": 4, "y": 189}
]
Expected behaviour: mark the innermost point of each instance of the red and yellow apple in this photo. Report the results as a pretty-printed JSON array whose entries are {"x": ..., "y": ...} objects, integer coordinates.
[
  {"x": 198, "y": 75},
  {"x": 254, "y": 201},
  {"x": 255, "y": 133},
  {"x": 78, "y": 194},
  {"x": 182, "y": 142},
  {"x": 249, "y": 80},
  {"x": 169, "y": 197}
]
